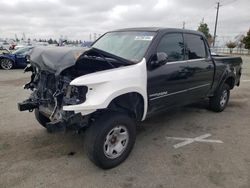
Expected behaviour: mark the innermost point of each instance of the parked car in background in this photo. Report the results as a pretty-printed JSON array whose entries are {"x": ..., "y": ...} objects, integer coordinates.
[
  {"x": 4, "y": 51},
  {"x": 18, "y": 46},
  {"x": 5, "y": 45},
  {"x": 22, "y": 45},
  {"x": 87, "y": 43},
  {"x": 18, "y": 58}
]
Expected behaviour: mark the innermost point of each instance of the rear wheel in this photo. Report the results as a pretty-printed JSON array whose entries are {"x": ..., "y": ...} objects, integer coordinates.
[
  {"x": 219, "y": 101},
  {"x": 6, "y": 64},
  {"x": 110, "y": 139},
  {"x": 41, "y": 118}
]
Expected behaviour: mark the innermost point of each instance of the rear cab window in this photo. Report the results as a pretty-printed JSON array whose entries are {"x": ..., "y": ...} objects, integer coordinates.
[{"x": 195, "y": 47}]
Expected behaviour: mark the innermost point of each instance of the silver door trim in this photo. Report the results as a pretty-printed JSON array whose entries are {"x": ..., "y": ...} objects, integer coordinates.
[
  {"x": 200, "y": 59},
  {"x": 185, "y": 61},
  {"x": 174, "y": 62},
  {"x": 177, "y": 92}
]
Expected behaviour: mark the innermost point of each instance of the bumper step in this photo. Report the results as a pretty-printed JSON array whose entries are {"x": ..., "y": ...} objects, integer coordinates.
[{"x": 27, "y": 105}]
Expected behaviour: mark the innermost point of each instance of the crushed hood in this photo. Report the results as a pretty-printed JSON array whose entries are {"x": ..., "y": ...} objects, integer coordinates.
[{"x": 55, "y": 59}]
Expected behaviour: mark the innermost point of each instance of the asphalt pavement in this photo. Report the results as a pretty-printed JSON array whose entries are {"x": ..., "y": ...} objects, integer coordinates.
[{"x": 185, "y": 147}]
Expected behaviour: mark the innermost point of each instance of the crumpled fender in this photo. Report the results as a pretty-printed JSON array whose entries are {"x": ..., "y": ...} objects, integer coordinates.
[{"x": 104, "y": 86}]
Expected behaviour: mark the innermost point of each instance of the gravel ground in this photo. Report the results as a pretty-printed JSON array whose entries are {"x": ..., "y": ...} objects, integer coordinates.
[{"x": 31, "y": 157}]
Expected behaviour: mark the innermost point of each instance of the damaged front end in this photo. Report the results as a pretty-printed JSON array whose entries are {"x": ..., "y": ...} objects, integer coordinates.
[
  {"x": 50, "y": 94},
  {"x": 52, "y": 71},
  {"x": 50, "y": 87}
]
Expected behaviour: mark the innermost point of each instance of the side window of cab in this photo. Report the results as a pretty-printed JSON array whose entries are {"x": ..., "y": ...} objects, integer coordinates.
[
  {"x": 195, "y": 47},
  {"x": 173, "y": 45}
]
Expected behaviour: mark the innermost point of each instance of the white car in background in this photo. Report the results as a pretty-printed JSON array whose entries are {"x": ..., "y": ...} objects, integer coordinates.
[{"x": 5, "y": 45}]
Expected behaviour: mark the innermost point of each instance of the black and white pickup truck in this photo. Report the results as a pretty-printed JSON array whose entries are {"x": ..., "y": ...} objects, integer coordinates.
[{"x": 126, "y": 76}]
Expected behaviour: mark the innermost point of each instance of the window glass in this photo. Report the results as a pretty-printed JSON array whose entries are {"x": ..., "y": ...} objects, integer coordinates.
[
  {"x": 195, "y": 46},
  {"x": 130, "y": 45},
  {"x": 172, "y": 45},
  {"x": 22, "y": 51}
]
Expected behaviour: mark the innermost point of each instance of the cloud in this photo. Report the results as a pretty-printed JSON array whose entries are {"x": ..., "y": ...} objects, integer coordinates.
[
  {"x": 162, "y": 5},
  {"x": 78, "y": 18}
]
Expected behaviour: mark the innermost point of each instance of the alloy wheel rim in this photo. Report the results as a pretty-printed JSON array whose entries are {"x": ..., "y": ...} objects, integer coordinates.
[
  {"x": 223, "y": 98},
  {"x": 6, "y": 64},
  {"x": 116, "y": 142}
]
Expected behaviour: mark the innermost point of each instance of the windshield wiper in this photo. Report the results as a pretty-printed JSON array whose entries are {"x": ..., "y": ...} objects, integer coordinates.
[{"x": 120, "y": 59}]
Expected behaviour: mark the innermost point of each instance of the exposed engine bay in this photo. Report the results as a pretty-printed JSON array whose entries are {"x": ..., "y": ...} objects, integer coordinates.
[{"x": 52, "y": 71}]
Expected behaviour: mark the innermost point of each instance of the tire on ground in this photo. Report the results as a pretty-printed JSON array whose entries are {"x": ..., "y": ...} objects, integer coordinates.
[
  {"x": 41, "y": 118},
  {"x": 96, "y": 141},
  {"x": 6, "y": 64},
  {"x": 219, "y": 101}
]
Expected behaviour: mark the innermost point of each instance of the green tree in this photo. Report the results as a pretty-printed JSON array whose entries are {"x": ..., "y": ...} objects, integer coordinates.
[
  {"x": 246, "y": 40},
  {"x": 203, "y": 27},
  {"x": 231, "y": 45},
  {"x": 50, "y": 41}
]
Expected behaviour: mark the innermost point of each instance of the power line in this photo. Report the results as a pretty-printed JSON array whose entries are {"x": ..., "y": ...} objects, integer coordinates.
[
  {"x": 204, "y": 14},
  {"x": 229, "y": 2}
]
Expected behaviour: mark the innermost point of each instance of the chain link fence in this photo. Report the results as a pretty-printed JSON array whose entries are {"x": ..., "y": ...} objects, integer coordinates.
[{"x": 225, "y": 50}]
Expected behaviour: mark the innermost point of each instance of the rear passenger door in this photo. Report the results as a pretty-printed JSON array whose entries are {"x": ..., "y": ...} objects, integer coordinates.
[{"x": 200, "y": 67}]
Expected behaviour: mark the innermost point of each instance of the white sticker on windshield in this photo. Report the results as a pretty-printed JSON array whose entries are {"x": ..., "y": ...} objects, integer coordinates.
[{"x": 144, "y": 38}]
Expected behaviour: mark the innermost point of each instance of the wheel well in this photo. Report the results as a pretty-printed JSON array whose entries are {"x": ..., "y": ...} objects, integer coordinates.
[
  {"x": 1, "y": 58},
  {"x": 230, "y": 81},
  {"x": 131, "y": 103},
  {"x": 5, "y": 58}
]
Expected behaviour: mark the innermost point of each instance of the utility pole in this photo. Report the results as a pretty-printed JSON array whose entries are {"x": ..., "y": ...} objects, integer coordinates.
[{"x": 216, "y": 20}]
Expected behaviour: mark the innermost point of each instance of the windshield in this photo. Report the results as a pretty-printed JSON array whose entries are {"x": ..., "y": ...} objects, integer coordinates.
[
  {"x": 22, "y": 51},
  {"x": 130, "y": 45}
]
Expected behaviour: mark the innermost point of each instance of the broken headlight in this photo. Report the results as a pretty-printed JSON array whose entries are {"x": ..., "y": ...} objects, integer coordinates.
[{"x": 75, "y": 95}]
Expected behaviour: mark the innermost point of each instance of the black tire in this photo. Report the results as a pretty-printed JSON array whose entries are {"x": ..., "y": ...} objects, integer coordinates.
[
  {"x": 6, "y": 64},
  {"x": 41, "y": 118},
  {"x": 100, "y": 130},
  {"x": 219, "y": 101}
]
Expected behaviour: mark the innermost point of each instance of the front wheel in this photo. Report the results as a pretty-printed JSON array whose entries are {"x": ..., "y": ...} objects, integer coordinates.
[
  {"x": 110, "y": 139},
  {"x": 43, "y": 120},
  {"x": 219, "y": 101},
  {"x": 6, "y": 64}
]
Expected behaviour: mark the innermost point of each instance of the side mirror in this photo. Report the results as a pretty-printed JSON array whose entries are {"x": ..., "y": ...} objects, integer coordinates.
[
  {"x": 27, "y": 57},
  {"x": 161, "y": 58}
]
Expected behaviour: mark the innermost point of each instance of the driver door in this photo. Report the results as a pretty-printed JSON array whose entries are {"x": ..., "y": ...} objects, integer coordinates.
[{"x": 167, "y": 83}]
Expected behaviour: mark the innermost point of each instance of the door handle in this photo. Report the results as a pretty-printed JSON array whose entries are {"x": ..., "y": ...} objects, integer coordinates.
[
  {"x": 209, "y": 67},
  {"x": 184, "y": 71}
]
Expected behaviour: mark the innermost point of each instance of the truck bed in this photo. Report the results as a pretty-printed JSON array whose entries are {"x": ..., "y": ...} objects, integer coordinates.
[{"x": 227, "y": 59}]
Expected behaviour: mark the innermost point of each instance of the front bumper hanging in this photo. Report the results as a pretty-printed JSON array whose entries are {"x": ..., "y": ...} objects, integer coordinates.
[{"x": 74, "y": 121}]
